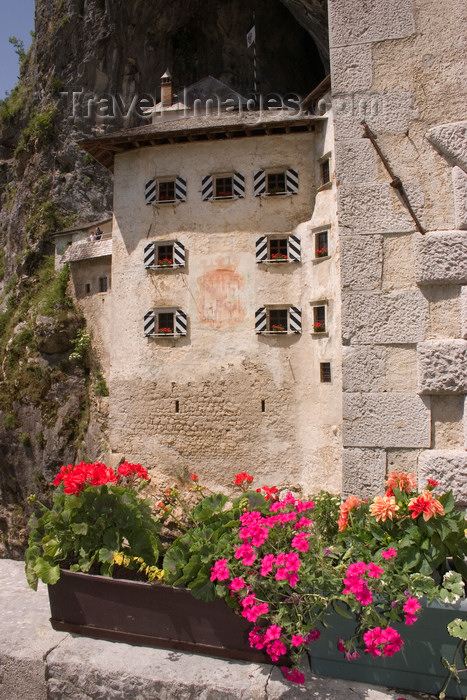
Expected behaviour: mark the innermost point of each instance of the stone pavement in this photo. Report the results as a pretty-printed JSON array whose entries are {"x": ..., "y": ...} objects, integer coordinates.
[{"x": 38, "y": 663}]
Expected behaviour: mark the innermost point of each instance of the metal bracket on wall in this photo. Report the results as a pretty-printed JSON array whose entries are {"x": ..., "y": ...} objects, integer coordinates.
[{"x": 395, "y": 181}]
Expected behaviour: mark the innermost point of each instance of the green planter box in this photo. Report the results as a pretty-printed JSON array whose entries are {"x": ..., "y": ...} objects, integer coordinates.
[{"x": 416, "y": 667}]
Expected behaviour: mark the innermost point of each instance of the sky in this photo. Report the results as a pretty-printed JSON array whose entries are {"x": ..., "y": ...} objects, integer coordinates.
[{"x": 16, "y": 19}]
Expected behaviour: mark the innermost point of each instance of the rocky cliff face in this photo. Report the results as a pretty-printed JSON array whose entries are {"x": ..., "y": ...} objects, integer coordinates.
[{"x": 89, "y": 64}]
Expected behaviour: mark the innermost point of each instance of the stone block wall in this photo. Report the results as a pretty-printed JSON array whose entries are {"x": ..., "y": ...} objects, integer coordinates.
[{"x": 404, "y": 304}]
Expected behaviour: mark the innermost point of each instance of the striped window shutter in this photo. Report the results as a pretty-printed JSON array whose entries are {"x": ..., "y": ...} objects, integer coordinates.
[
  {"x": 294, "y": 248},
  {"x": 180, "y": 189},
  {"x": 180, "y": 322},
  {"x": 295, "y": 319},
  {"x": 261, "y": 249},
  {"x": 260, "y": 320},
  {"x": 291, "y": 179},
  {"x": 150, "y": 191},
  {"x": 149, "y": 323},
  {"x": 238, "y": 185},
  {"x": 150, "y": 255},
  {"x": 206, "y": 188},
  {"x": 179, "y": 253},
  {"x": 259, "y": 183}
]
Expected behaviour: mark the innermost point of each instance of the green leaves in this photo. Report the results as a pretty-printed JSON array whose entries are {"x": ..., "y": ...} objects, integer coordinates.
[
  {"x": 46, "y": 570},
  {"x": 82, "y": 530},
  {"x": 209, "y": 506},
  {"x": 458, "y": 628}
]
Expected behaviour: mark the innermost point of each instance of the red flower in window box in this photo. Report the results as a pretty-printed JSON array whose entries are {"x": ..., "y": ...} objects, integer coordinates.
[
  {"x": 278, "y": 256},
  {"x": 278, "y": 328},
  {"x": 165, "y": 262},
  {"x": 319, "y": 327},
  {"x": 165, "y": 331},
  {"x": 321, "y": 252}
]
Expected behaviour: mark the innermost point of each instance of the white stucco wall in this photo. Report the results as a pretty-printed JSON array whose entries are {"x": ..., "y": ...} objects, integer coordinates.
[{"x": 222, "y": 371}]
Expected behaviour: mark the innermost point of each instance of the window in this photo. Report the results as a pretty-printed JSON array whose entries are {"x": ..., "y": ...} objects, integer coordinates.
[
  {"x": 278, "y": 249},
  {"x": 165, "y": 322},
  {"x": 321, "y": 244},
  {"x": 275, "y": 182},
  {"x": 103, "y": 284},
  {"x": 319, "y": 319},
  {"x": 164, "y": 254},
  {"x": 87, "y": 288},
  {"x": 165, "y": 190},
  {"x": 325, "y": 170},
  {"x": 222, "y": 186},
  {"x": 269, "y": 321},
  {"x": 325, "y": 372}
]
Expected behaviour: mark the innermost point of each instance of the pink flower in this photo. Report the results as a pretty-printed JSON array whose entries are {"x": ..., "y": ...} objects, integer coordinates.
[
  {"x": 246, "y": 554},
  {"x": 293, "y": 579},
  {"x": 255, "y": 638},
  {"x": 266, "y": 564},
  {"x": 276, "y": 649},
  {"x": 294, "y": 676},
  {"x": 272, "y": 632},
  {"x": 312, "y": 636},
  {"x": 382, "y": 641},
  {"x": 388, "y": 553},
  {"x": 374, "y": 571},
  {"x": 303, "y": 522},
  {"x": 237, "y": 584},
  {"x": 300, "y": 542},
  {"x": 411, "y": 606},
  {"x": 220, "y": 571},
  {"x": 297, "y": 640}
]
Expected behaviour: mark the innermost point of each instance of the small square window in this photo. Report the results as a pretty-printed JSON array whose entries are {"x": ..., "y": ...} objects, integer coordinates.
[
  {"x": 321, "y": 244},
  {"x": 325, "y": 372},
  {"x": 277, "y": 320},
  {"x": 275, "y": 183},
  {"x": 319, "y": 319},
  {"x": 103, "y": 284},
  {"x": 166, "y": 191},
  {"x": 278, "y": 249},
  {"x": 224, "y": 187},
  {"x": 165, "y": 323},
  {"x": 325, "y": 167},
  {"x": 165, "y": 255}
]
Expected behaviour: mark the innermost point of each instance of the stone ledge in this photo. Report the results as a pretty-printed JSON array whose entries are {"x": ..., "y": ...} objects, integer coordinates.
[{"x": 37, "y": 663}]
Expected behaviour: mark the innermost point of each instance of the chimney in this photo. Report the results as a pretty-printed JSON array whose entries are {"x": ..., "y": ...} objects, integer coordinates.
[{"x": 166, "y": 89}]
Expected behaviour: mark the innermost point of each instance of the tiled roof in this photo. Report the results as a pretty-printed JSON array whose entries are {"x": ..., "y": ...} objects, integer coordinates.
[{"x": 83, "y": 250}]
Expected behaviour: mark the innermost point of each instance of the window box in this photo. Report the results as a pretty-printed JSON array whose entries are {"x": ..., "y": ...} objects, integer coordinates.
[
  {"x": 163, "y": 323},
  {"x": 321, "y": 244},
  {"x": 157, "y": 616},
  {"x": 275, "y": 182},
  {"x": 319, "y": 319},
  {"x": 222, "y": 186},
  {"x": 272, "y": 249},
  {"x": 276, "y": 321},
  {"x": 165, "y": 191},
  {"x": 164, "y": 254}
]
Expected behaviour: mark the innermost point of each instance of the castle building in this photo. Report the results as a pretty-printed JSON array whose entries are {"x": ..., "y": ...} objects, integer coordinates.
[{"x": 288, "y": 286}]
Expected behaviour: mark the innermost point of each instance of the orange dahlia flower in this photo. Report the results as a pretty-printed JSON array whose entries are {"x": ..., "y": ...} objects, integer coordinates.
[
  {"x": 402, "y": 481},
  {"x": 425, "y": 503},
  {"x": 383, "y": 507},
  {"x": 348, "y": 505}
]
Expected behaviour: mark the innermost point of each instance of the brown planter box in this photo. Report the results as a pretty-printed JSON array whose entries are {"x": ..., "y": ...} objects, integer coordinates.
[{"x": 152, "y": 615}]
